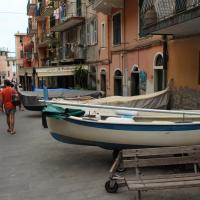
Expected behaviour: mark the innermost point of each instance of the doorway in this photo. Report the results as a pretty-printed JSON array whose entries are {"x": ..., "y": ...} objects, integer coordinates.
[
  {"x": 159, "y": 73},
  {"x": 92, "y": 78},
  {"x": 103, "y": 81},
  {"x": 135, "y": 79},
  {"x": 118, "y": 83}
]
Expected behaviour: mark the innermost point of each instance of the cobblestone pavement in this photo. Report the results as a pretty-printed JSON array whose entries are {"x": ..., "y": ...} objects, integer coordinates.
[{"x": 33, "y": 166}]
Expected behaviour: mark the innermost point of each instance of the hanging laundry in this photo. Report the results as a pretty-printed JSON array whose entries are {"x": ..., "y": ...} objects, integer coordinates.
[{"x": 56, "y": 13}]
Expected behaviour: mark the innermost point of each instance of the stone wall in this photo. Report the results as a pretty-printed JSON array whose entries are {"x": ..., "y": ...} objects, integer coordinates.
[{"x": 185, "y": 98}]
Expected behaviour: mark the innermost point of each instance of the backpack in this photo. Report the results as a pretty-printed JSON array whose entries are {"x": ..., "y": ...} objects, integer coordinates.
[{"x": 15, "y": 99}]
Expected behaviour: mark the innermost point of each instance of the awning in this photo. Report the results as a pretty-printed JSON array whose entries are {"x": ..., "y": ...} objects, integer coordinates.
[
  {"x": 50, "y": 71},
  {"x": 55, "y": 71}
]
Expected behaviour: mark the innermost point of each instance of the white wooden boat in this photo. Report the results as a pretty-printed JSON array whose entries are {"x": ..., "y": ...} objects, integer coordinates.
[{"x": 171, "y": 128}]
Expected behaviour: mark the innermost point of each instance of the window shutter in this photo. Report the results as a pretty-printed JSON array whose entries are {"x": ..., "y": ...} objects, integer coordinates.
[
  {"x": 95, "y": 32},
  {"x": 117, "y": 29}
]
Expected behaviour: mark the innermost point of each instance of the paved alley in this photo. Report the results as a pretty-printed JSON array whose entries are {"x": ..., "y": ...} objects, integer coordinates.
[{"x": 33, "y": 166}]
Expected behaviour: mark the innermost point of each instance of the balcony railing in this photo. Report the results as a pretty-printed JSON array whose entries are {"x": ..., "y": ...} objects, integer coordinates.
[
  {"x": 31, "y": 6},
  {"x": 153, "y": 12},
  {"x": 72, "y": 52},
  {"x": 71, "y": 10}
]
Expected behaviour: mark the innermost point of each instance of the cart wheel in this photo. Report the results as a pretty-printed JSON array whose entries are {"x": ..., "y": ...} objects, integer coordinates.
[
  {"x": 111, "y": 187},
  {"x": 121, "y": 169}
]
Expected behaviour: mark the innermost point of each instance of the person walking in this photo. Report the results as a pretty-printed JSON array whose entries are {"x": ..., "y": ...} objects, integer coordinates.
[
  {"x": 1, "y": 100},
  {"x": 8, "y": 105}
]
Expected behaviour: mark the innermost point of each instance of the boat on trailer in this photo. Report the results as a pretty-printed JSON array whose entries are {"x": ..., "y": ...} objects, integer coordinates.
[{"x": 154, "y": 129}]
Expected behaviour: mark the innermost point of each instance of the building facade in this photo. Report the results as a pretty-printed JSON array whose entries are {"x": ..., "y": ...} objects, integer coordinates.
[
  {"x": 179, "y": 22},
  {"x": 7, "y": 65},
  {"x": 122, "y": 47},
  {"x": 130, "y": 63}
]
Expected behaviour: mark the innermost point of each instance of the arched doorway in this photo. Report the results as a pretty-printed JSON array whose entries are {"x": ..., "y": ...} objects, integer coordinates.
[
  {"x": 159, "y": 73},
  {"x": 103, "y": 81},
  {"x": 118, "y": 83},
  {"x": 135, "y": 79},
  {"x": 92, "y": 78}
]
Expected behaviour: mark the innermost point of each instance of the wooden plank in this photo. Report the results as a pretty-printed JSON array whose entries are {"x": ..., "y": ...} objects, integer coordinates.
[
  {"x": 160, "y": 151},
  {"x": 145, "y": 180},
  {"x": 150, "y": 162},
  {"x": 163, "y": 176},
  {"x": 164, "y": 185}
]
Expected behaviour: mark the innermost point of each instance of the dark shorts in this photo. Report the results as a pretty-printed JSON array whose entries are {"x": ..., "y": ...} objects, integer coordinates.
[{"x": 8, "y": 111}]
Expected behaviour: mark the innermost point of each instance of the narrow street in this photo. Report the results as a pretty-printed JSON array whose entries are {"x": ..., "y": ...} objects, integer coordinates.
[
  {"x": 36, "y": 167},
  {"x": 33, "y": 166}
]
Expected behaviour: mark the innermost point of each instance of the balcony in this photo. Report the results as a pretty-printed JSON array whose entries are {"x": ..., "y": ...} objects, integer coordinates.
[
  {"x": 32, "y": 26},
  {"x": 46, "y": 39},
  {"x": 28, "y": 56},
  {"x": 72, "y": 52},
  {"x": 105, "y": 6},
  {"x": 38, "y": 12},
  {"x": 31, "y": 7},
  {"x": 48, "y": 9},
  {"x": 172, "y": 17},
  {"x": 70, "y": 16}
]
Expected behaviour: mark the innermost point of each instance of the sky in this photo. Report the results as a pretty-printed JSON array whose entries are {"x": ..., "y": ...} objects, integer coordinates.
[{"x": 13, "y": 18}]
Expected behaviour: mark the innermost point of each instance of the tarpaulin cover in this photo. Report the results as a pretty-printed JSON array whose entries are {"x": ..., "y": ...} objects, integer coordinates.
[{"x": 61, "y": 113}]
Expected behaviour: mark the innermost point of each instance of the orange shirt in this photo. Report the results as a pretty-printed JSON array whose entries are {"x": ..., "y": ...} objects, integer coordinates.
[{"x": 7, "y": 98}]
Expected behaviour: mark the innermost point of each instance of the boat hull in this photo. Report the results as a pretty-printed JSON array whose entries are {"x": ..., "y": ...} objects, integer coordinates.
[
  {"x": 110, "y": 135},
  {"x": 31, "y": 99}
]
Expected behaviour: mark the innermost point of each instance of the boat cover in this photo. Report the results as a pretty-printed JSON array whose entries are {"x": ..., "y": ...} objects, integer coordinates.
[
  {"x": 30, "y": 99},
  {"x": 61, "y": 113},
  {"x": 157, "y": 100}
]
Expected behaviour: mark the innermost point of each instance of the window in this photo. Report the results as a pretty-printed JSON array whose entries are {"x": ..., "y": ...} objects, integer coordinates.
[
  {"x": 21, "y": 39},
  {"x": 95, "y": 32},
  {"x": 78, "y": 6},
  {"x": 92, "y": 32},
  {"x": 103, "y": 35},
  {"x": 21, "y": 54},
  {"x": 88, "y": 33},
  {"x": 117, "y": 29}
]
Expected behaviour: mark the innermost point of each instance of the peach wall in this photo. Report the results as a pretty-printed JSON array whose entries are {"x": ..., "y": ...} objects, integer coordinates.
[
  {"x": 184, "y": 62},
  {"x": 131, "y": 51},
  {"x": 18, "y": 48},
  {"x": 131, "y": 22},
  {"x": 103, "y": 51}
]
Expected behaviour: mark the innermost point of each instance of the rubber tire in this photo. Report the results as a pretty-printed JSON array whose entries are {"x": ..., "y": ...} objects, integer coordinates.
[{"x": 110, "y": 189}]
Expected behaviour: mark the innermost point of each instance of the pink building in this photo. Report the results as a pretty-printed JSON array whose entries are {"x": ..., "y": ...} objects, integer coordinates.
[
  {"x": 24, "y": 47},
  {"x": 130, "y": 64}
]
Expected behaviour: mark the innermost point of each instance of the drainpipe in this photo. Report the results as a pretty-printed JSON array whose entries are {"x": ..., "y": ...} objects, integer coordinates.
[
  {"x": 109, "y": 54},
  {"x": 124, "y": 57},
  {"x": 165, "y": 59}
]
